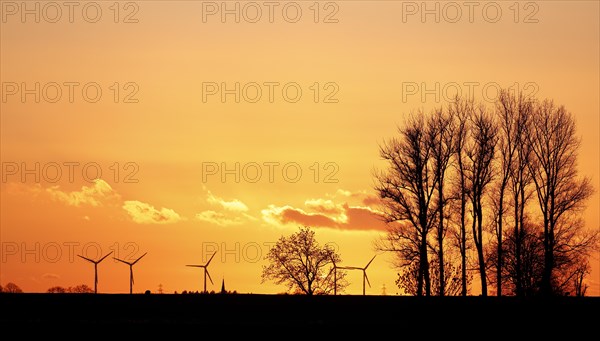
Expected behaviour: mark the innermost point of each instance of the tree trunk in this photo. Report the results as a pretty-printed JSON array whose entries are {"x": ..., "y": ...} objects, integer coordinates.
[
  {"x": 425, "y": 265},
  {"x": 463, "y": 227},
  {"x": 478, "y": 226},
  {"x": 517, "y": 236},
  {"x": 499, "y": 241},
  {"x": 442, "y": 281}
]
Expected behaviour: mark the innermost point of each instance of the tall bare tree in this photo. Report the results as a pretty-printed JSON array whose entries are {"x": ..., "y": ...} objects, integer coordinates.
[
  {"x": 462, "y": 110},
  {"x": 521, "y": 179},
  {"x": 559, "y": 189},
  {"x": 513, "y": 113},
  {"x": 440, "y": 128},
  {"x": 407, "y": 189},
  {"x": 506, "y": 111},
  {"x": 479, "y": 172}
]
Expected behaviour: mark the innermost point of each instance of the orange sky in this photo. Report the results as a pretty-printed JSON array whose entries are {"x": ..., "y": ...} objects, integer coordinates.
[{"x": 163, "y": 135}]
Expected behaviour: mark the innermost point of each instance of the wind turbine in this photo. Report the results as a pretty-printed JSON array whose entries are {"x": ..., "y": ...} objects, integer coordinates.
[
  {"x": 131, "y": 264},
  {"x": 205, "y": 270},
  {"x": 96, "y": 262},
  {"x": 364, "y": 270},
  {"x": 334, "y": 270}
]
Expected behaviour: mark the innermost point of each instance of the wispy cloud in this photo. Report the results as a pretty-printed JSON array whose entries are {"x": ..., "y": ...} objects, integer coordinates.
[
  {"x": 50, "y": 276},
  {"x": 358, "y": 197},
  {"x": 226, "y": 212},
  {"x": 234, "y": 205},
  {"x": 328, "y": 213},
  {"x": 94, "y": 195},
  {"x": 218, "y": 218},
  {"x": 143, "y": 213}
]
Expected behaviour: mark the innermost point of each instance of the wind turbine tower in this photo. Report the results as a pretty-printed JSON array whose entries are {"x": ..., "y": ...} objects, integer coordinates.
[
  {"x": 95, "y": 262},
  {"x": 131, "y": 264}
]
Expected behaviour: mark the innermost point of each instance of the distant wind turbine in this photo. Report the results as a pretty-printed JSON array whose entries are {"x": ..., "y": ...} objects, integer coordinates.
[
  {"x": 364, "y": 270},
  {"x": 334, "y": 270},
  {"x": 131, "y": 264},
  {"x": 95, "y": 262},
  {"x": 205, "y": 270}
]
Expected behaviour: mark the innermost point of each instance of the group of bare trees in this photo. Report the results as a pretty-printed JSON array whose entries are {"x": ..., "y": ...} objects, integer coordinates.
[
  {"x": 494, "y": 190},
  {"x": 78, "y": 289}
]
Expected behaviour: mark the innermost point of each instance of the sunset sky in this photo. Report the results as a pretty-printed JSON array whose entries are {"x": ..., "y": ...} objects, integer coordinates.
[{"x": 163, "y": 137}]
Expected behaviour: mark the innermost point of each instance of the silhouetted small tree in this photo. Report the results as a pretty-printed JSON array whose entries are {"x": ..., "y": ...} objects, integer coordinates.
[
  {"x": 299, "y": 262},
  {"x": 12, "y": 288},
  {"x": 407, "y": 280},
  {"x": 57, "y": 290},
  {"x": 81, "y": 289}
]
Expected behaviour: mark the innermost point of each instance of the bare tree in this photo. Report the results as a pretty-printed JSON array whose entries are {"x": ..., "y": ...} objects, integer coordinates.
[
  {"x": 462, "y": 110},
  {"x": 12, "y": 288},
  {"x": 299, "y": 262},
  {"x": 506, "y": 114},
  {"x": 513, "y": 113},
  {"x": 440, "y": 128},
  {"x": 57, "y": 290},
  {"x": 559, "y": 190},
  {"x": 579, "y": 285},
  {"x": 521, "y": 179},
  {"x": 80, "y": 289},
  {"x": 525, "y": 277},
  {"x": 522, "y": 273},
  {"x": 480, "y": 154},
  {"x": 407, "y": 279},
  {"x": 406, "y": 190}
]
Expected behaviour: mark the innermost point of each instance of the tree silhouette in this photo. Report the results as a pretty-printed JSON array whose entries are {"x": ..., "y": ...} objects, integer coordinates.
[
  {"x": 462, "y": 110},
  {"x": 491, "y": 164},
  {"x": 452, "y": 285},
  {"x": 512, "y": 112},
  {"x": 522, "y": 264},
  {"x": 57, "y": 290},
  {"x": 81, "y": 289},
  {"x": 299, "y": 262},
  {"x": 479, "y": 172},
  {"x": 441, "y": 129},
  {"x": 407, "y": 190},
  {"x": 12, "y": 288},
  {"x": 560, "y": 192}
]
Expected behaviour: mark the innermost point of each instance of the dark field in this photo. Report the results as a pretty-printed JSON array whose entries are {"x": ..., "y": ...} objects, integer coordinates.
[{"x": 530, "y": 316}]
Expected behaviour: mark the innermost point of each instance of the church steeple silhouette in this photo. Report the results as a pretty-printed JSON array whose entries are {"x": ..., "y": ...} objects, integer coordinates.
[{"x": 223, "y": 291}]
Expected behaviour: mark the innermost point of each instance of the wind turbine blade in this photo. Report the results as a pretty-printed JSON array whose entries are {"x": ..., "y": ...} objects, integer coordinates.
[
  {"x": 101, "y": 259},
  {"x": 137, "y": 260},
  {"x": 196, "y": 266},
  {"x": 367, "y": 278},
  {"x": 208, "y": 274},
  {"x": 369, "y": 263},
  {"x": 351, "y": 268},
  {"x": 329, "y": 273},
  {"x": 122, "y": 261},
  {"x": 211, "y": 257},
  {"x": 89, "y": 260}
]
